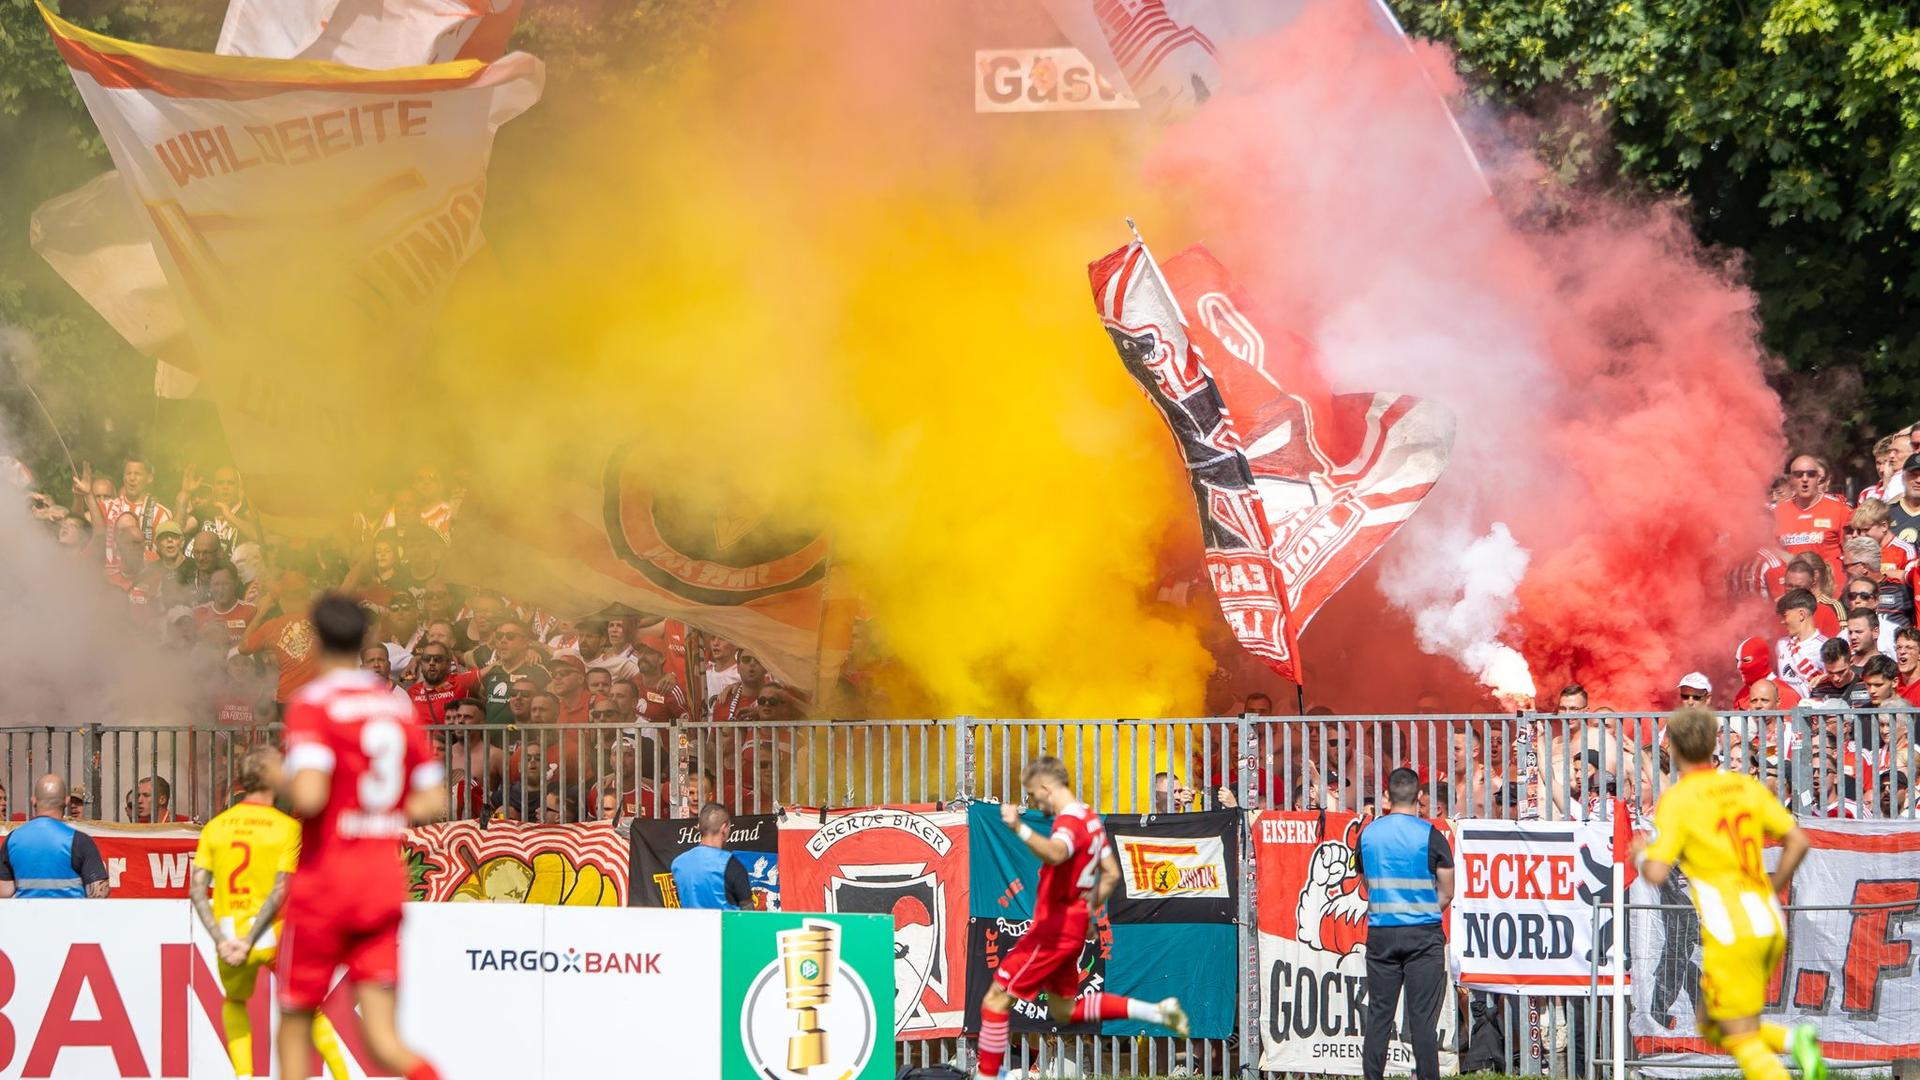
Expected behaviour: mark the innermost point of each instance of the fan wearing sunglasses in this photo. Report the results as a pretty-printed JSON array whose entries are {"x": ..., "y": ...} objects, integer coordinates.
[{"x": 1809, "y": 519}]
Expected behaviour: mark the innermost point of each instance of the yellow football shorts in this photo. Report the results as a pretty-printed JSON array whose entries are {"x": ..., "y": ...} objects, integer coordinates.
[{"x": 1734, "y": 975}]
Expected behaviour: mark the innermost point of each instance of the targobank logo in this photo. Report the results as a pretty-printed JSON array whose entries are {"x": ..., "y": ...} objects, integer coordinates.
[{"x": 573, "y": 961}]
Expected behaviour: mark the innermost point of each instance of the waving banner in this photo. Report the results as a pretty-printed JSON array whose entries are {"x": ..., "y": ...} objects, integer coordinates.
[
  {"x": 1140, "y": 315},
  {"x": 1848, "y": 972},
  {"x": 907, "y": 863},
  {"x": 1313, "y": 949},
  {"x": 369, "y": 33},
  {"x": 1337, "y": 474},
  {"x": 731, "y": 569},
  {"x": 305, "y": 211},
  {"x": 1297, "y": 488},
  {"x": 94, "y": 237}
]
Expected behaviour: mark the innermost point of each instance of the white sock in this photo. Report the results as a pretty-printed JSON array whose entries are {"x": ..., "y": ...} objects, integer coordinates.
[{"x": 1147, "y": 1011}]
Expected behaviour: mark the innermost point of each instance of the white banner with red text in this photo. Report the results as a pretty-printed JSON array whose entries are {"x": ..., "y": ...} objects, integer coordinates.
[
  {"x": 1522, "y": 918},
  {"x": 1847, "y": 972},
  {"x": 130, "y": 989},
  {"x": 1313, "y": 949}
]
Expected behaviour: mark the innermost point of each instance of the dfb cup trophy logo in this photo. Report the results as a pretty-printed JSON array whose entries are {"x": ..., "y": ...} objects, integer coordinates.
[
  {"x": 821, "y": 1020},
  {"x": 807, "y": 957}
]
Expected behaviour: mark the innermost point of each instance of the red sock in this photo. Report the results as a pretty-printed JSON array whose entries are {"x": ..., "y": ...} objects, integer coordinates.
[
  {"x": 1104, "y": 1007},
  {"x": 424, "y": 1070},
  {"x": 993, "y": 1041}
]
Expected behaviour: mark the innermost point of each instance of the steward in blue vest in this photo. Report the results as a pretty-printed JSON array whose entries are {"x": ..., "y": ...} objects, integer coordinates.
[
  {"x": 1409, "y": 870},
  {"x": 47, "y": 857},
  {"x": 707, "y": 875}
]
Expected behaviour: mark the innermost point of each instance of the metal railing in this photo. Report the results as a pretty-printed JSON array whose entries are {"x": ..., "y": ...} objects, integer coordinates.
[
  {"x": 1518, "y": 765},
  {"x": 1610, "y": 1044}
]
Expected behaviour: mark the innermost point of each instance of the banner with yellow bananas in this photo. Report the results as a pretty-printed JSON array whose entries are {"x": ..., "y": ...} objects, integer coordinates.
[{"x": 511, "y": 862}]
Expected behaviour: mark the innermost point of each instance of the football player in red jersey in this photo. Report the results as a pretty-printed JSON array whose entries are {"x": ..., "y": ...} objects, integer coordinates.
[
  {"x": 1077, "y": 874},
  {"x": 358, "y": 769}
]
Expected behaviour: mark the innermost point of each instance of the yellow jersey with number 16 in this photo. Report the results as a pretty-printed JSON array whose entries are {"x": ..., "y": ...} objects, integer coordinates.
[
  {"x": 1715, "y": 826},
  {"x": 244, "y": 847}
]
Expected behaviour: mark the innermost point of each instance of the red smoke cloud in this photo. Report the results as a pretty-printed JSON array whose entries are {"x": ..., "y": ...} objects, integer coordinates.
[{"x": 1604, "y": 369}]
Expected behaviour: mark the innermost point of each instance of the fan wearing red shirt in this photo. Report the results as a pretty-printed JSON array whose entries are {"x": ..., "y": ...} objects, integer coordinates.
[
  {"x": 289, "y": 636},
  {"x": 358, "y": 770},
  {"x": 1906, "y": 658},
  {"x": 224, "y": 605},
  {"x": 1077, "y": 873},
  {"x": 439, "y": 686},
  {"x": 1809, "y": 519}
]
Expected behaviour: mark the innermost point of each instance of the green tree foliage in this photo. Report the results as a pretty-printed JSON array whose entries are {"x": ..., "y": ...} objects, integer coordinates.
[
  {"x": 1793, "y": 129},
  {"x": 96, "y": 387}
]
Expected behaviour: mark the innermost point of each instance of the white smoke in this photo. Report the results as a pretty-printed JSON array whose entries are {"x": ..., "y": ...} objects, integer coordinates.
[
  {"x": 1461, "y": 600},
  {"x": 1416, "y": 330},
  {"x": 73, "y": 654}
]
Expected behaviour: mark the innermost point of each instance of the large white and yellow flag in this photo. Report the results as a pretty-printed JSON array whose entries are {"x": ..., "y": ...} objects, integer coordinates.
[
  {"x": 94, "y": 238},
  {"x": 308, "y": 218},
  {"x": 369, "y": 33}
]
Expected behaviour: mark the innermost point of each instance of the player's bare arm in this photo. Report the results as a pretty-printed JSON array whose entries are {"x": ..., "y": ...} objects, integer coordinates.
[
  {"x": 1653, "y": 871},
  {"x": 269, "y": 909},
  {"x": 307, "y": 791},
  {"x": 1045, "y": 848},
  {"x": 1793, "y": 848},
  {"x": 200, "y": 892},
  {"x": 427, "y": 804}
]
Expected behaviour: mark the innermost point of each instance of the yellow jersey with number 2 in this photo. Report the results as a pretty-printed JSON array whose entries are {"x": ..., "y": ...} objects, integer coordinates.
[{"x": 244, "y": 847}]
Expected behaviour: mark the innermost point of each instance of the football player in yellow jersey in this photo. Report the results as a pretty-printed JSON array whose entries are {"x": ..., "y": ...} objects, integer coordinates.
[
  {"x": 1714, "y": 825},
  {"x": 240, "y": 871}
]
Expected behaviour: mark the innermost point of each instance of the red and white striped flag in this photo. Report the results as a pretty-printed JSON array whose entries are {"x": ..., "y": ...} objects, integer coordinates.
[
  {"x": 1296, "y": 487},
  {"x": 1141, "y": 316}
]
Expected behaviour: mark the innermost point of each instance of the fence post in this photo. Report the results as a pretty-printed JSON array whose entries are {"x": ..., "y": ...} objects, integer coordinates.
[
  {"x": 1248, "y": 908},
  {"x": 963, "y": 784},
  {"x": 92, "y": 737},
  {"x": 677, "y": 741},
  {"x": 1619, "y": 970}
]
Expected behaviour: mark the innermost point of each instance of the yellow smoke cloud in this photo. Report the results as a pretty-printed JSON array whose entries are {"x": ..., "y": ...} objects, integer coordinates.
[
  {"x": 804, "y": 278},
  {"x": 822, "y": 288}
]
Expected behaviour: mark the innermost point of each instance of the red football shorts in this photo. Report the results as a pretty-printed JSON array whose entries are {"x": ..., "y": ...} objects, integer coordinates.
[
  {"x": 312, "y": 948},
  {"x": 1046, "y": 960}
]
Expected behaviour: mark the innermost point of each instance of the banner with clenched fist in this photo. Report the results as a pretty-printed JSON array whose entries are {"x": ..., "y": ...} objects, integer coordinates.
[{"x": 1313, "y": 948}]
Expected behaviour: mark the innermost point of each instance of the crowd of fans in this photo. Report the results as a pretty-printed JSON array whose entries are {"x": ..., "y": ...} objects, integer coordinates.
[
  {"x": 562, "y": 704},
  {"x": 579, "y": 693}
]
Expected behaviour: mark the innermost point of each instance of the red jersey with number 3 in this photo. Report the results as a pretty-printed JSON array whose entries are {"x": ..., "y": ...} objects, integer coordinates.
[
  {"x": 1063, "y": 888},
  {"x": 351, "y": 725}
]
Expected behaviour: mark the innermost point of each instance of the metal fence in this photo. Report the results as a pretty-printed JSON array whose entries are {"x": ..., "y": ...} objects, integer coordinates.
[{"x": 1517, "y": 765}]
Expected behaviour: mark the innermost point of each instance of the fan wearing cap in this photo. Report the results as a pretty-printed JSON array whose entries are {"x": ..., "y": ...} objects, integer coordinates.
[
  {"x": 1695, "y": 691},
  {"x": 1809, "y": 519},
  {"x": 169, "y": 545},
  {"x": 570, "y": 686}
]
